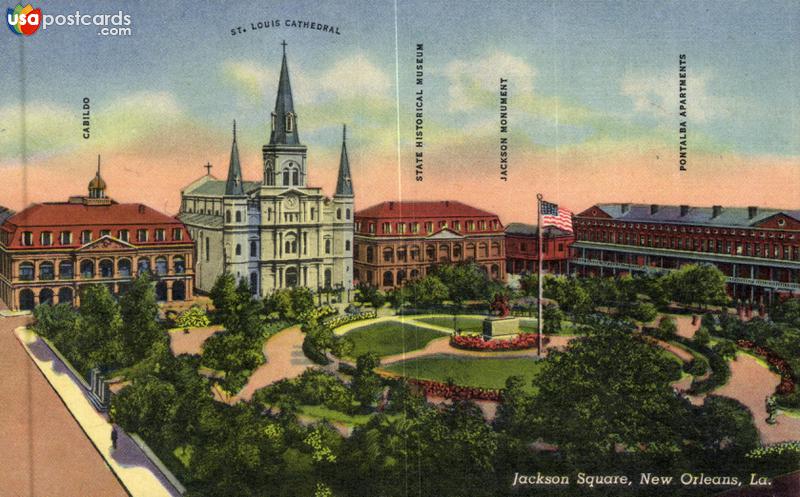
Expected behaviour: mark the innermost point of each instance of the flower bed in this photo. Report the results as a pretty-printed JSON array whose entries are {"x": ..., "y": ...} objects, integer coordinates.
[
  {"x": 787, "y": 384},
  {"x": 344, "y": 319},
  {"x": 456, "y": 392},
  {"x": 522, "y": 341}
]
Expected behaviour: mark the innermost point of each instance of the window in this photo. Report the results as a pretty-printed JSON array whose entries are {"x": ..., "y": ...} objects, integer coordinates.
[
  {"x": 456, "y": 225},
  {"x": 65, "y": 271},
  {"x": 238, "y": 249},
  {"x": 347, "y": 214},
  {"x": 180, "y": 265},
  {"x": 141, "y": 235},
  {"x": 347, "y": 245},
  {"x": 177, "y": 234},
  {"x": 338, "y": 213},
  {"x": 160, "y": 235},
  {"x": 124, "y": 267},
  {"x": 65, "y": 238},
  {"x": 285, "y": 177},
  {"x": 289, "y": 122},
  {"x": 26, "y": 271},
  {"x": 413, "y": 227},
  {"x": 87, "y": 269},
  {"x": 328, "y": 246},
  {"x": 295, "y": 177},
  {"x": 470, "y": 225},
  {"x": 386, "y": 228},
  {"x": 442, "y": 224},
  {"x": 313, "y": 211},
  {"x": 27, "y": 238},
  {"x": 46, "y": 238},
  {"x": 106, "y": 268},
  {"x": 429, "y": 227},
  {"x": 253, "y": 249},
  {"x": 105, "y": 233},
  {"x": 208, "y": 249},
  {"x": 372, "y": 227},
  {"x": 401, "y": 228},
  {"x": 238, "y": 216},
  {"x": 86, "y": 236},
  {"x": 228, "y": 216},
  {"x": 161, "y": 265},
  {"x": 482, "y": 225},
  {"x": 123, "y": 235}
]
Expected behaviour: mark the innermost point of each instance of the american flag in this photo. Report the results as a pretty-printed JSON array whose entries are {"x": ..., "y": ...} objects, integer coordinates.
[{"x": 553, "y": 215}]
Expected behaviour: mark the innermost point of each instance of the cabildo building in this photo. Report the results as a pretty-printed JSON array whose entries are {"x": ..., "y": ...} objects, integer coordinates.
[
  {"x": 757, "y": 249},
  {"x": 400, "y": 241},
  {"x": 49, "y": 250}
]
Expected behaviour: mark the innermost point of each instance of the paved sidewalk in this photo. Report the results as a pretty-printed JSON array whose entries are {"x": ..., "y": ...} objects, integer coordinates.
[{"x": 136, "y": 472}]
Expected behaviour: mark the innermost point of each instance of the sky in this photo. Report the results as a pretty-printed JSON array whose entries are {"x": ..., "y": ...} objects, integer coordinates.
[{"x": 593, "y": 100}]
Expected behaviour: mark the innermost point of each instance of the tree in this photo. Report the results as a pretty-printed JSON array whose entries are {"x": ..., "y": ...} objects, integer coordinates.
[
  {"x": 53, "y": 321},
  {"x": 146, "y": 407},
  {"x": 725, "y": 349},
  {"x": 571, "y": 296},
  {"x": 702, "y": 337},
  {"x": 368, "y": 294},
  {"x": 139, "y": 311},
  {"x": 610, "y": 387},
  {"x": 699, "y": 284},
  {"x": 464, "y": 281},
  {"x": 667, "y": 329},
  {"x": 513, "y": 414},
  {"x": 366, "y": 384},
  {"x": 96, "y": 341},
  {"x": 427, "y": 292},
  {"x": 224, "y": 296},
  {"x": 552, "y": 319}
]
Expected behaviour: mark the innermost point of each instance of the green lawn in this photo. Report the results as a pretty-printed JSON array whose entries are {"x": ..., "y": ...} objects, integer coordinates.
[
  {"x": 468, "y": 371},
  {"x": 464, "y": 323},
  {"x": 321, "y": 412},
  {"x": 390, "y": 337}
]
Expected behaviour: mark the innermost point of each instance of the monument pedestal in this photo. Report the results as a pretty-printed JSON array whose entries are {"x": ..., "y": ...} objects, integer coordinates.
[{"x": 494, "y": 327}]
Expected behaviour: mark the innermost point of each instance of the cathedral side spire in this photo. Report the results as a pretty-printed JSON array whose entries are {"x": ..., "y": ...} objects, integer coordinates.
[
  {"x": 233, "y": 185},
  {"x": 284, "y": 120},
  {"x": 344, "y": 183}
]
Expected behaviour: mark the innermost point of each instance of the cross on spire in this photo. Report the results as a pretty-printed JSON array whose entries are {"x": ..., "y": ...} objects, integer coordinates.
[
  {"x": 284, "y": 46},
  {"x": 234, "y": 130},
  {"x": 208, "y": 167}
]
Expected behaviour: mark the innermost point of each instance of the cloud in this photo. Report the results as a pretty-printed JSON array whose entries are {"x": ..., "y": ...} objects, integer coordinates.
[
  {"x": 49, "y": 128},
  {"x": 355, "y": 76},
  {"x": 474, "y": 83},
  {"x": 657, "y": 94}
]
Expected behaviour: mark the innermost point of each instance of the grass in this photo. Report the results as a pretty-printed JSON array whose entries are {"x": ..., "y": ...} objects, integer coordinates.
[
  {"x": 390, "y": 337},
  {"x": 468, "y": 371},
  {"x": 464, "y": 323},
  {"x": 321, "y": 412},
  {"x": 184, "y": 454}
]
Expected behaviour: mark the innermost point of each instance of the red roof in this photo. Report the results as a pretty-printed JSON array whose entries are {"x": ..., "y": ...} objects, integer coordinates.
[
  {"x": 64, "y": 214},
  {"x": 422, "y": 209}
]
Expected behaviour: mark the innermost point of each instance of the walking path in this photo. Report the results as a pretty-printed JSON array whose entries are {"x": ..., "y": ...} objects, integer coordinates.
[
  {"x": 442, "y": 346},
  {"x": 192, "y": 342},
  {"x": 43, "y": 451},
  {"x": 131, "y": 466},
  {"x": 285, "y": 360}
]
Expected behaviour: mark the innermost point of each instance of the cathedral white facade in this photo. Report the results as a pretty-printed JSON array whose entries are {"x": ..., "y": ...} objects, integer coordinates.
[{"x": 278, "y": 232}]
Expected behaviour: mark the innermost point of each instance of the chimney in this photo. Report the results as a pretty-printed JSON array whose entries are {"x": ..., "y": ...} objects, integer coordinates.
[
  {"x": 684, "y": 210},
  {"x": 447, "y": 203},
  {"x": 391, "y": 205},
  {"x": 141, "y": 208},
  {"x": 625, "y": 207},
  {"x": 716, "y": 211},
  {"x": 653, "y": 209},
  {"x": 752, "y": 212}
]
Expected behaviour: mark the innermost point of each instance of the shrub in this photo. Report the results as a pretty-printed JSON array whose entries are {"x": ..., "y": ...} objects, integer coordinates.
[
  {"x": 702, "y": 337},
  {"x": 696, "y": 367},
  {"x": 194, "y": 317},
  {"x": 342, "y": 320}
]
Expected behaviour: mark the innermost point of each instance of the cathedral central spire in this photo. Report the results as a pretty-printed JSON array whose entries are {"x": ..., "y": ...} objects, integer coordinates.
[
  {"x": 233, "y": 186},
  {"x": 284, "y": 120}
]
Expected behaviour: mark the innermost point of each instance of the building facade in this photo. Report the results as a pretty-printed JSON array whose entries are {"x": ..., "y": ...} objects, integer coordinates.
[
  {"x": 757, "y": 249},
  {"x": 277, "y": 232},
  {"x": 400, "y": 241},
  {"x": 522, "y": 249},
  {"x": 49, "y": 251}
]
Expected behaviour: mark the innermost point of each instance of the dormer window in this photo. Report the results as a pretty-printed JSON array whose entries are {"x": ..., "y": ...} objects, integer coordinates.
[{"x": 289, "y": 122}]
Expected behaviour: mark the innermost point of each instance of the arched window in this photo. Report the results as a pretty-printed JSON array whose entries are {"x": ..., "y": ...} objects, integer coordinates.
[
  {"x": 238, "y": 249},
  {"x": 179, "y": 290},
  {"x": 313, "y": 211},
  {"x": 328, "y": 246},
  {"x": 143, "y": 265},
  {"x": 46, "y": 296},
  {"x": 253, "y": 249},
  {"x": 457, "y": 251},
  {"x": 285, "y": 177},
  {"x": 26, "y": 271},
  {"x": 161, "y": 291},
  {"x": 291, "y": 277},
  {"x": 495, "y": 249},
  {"x": 414, "y": 274},
  {"x": 65, "y": 296},
  {"x": 161, "y": 265},
  {"x": 338, "y": 213},
  {"x": 347, "y": 214},
  {"x": 208, "y": 249},
  {"x": 238, "y": 216},
  {"x": 46, "y": 271},
  {"x": 65, "y": 271},
  {"x": 414, "y": 252},
  {"x": 430, "y": 252},
  {"x": 87, "y": 268},
  {"x": 269, "y": 176},
  {"x": 180, "y": 265},
  {"x": 388, "y": 254},
  {"x": 328, "y": 278},
  {"x": 370, "y": 254},
  {"x": 388, "y": 279},
  {"x": 106, "y": 268},
  {"x": 347, "y": 245},
  {"x": 401, "y": 276},
  {"x": 483, "y": 250},
  {"x": 124, "y": 268},
  {"x": 228, "y": 216},
  {"x": 295, "y": 177}
]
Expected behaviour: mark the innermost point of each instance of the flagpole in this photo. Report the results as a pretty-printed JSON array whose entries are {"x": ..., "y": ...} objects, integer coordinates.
[{"x": 540, "y": 321}]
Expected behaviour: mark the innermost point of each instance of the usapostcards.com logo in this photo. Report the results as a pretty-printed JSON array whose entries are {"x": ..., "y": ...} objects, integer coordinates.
[{"x": 25, "y": 21}]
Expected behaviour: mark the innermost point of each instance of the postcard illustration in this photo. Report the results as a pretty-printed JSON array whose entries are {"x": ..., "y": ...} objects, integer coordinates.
[{"x": 400, "y": 248}]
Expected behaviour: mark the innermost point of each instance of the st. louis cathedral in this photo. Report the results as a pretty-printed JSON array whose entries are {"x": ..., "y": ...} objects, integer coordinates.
[{"x": 278, "y": 232}]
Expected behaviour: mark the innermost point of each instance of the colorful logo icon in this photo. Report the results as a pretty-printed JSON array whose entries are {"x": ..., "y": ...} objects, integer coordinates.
[{"x": 23, "y": 20}]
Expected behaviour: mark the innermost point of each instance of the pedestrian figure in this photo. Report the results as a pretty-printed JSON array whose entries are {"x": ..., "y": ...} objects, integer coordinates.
[{"x": 114, "y": 438}]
